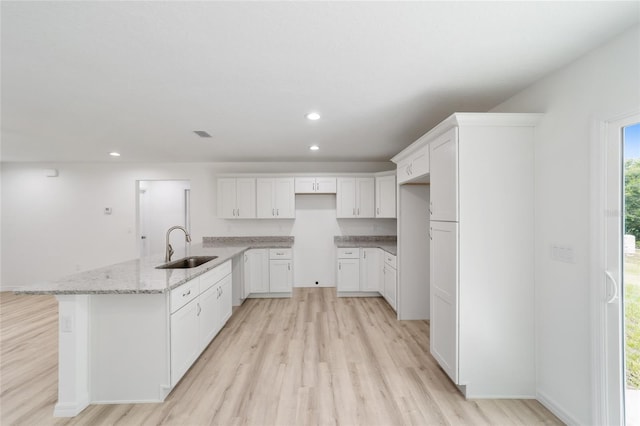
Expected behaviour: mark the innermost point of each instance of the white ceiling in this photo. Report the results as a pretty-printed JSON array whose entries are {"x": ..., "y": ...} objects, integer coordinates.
[{"x": 81, "y": 79}]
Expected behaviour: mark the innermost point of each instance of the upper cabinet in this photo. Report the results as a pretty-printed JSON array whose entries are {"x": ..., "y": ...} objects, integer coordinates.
[
  {"x": 236, "y": 198},
  {"x": 415, "y": 166},
  {"x": 386, "y": 196},
  {"x": 355, "y": 198},
  {"x": 315, "y": 185},
  {"x": 443, "y": 205},
  {"x": 275, "y": 198}
]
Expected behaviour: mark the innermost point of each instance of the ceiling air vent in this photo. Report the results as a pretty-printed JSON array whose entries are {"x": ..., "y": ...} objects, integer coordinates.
[{"x": 202, "y": 133}]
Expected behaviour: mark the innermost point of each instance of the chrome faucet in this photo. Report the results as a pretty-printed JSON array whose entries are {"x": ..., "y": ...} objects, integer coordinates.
[{"x": 169, "y": 252}]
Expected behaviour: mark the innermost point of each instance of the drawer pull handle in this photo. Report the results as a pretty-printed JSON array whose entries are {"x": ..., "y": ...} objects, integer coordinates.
[{"x": 187, "y": 293}]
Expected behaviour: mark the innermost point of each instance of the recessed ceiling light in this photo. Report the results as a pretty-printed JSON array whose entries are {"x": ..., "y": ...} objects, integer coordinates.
[
  {"x": 202, "y": 133},
  {"x": 114, "y": 154},
  {"x": 313, "y": 116},
  {"x": 314, "y": 147}
]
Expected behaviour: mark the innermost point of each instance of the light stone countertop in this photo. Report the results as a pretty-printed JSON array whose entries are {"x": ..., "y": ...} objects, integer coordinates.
[
  {"x": 140, "y": 276},
  {"x": 386, "y": 243}
]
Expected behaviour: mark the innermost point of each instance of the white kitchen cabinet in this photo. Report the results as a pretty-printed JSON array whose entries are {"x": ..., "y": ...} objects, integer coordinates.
[
  {"x": 444, "y": 177},
  {"x": 371, "y": 270},
  {"x": 196, "y": 323},
  {"x": 482, "y": 252},
  {"x": 415, "y": 166},
  {"x": 209, "y": 323},
  {"x": 280, "y": 276},
  {"x": 444, "y": 296},
  {"x": 348, "y": 279},
  {"x": 386, "y": 196},
  {"x": 225, "y": 302},
  {"x": 390, "y": 278},
  {"x": 256, "y": 271},
  {"x": 355, "y": 198},
  {"x": 275, "y": 198},
  {"x": 280, "y": 270},
  {"x": 315, "y": 185},
  {"x": 185, "y": 339},
  {"x": 236, "y": 198}
]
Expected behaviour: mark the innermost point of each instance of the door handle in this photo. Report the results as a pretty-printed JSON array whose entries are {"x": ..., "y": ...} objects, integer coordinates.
[{"x": 614, "y": 293}]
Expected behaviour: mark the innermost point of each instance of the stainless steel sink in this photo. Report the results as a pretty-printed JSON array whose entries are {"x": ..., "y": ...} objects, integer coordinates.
[{"x": 187, "y": 262}]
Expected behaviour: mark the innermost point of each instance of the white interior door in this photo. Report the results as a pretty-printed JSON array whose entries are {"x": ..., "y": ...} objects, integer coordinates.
[{"x": 162, "y": 204}]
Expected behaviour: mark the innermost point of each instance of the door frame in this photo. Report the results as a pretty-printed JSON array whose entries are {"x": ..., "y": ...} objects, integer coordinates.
[{"x": 600, "y": 138}]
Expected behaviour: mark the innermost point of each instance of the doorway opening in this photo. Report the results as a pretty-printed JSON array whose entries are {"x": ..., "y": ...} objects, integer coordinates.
[
  {"x": 630, "y": 290},
  {"x": 161, "y": 205}
]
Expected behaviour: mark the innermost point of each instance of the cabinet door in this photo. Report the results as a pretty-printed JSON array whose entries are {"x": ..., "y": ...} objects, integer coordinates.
[
  {"x": 444, "y": 177},
  {"x": 370, "y": 278},
  {"x": 365, "y": 197},
  {"x": 256, "y": 271},
  {"x": 326, "y": 185},
  {"x": 185, "y": 339},
  {"x": 404, "y": 171},
  {"x": 444, "y": 296},
  {"x": 245, "y": 197},
  {"x": 346, "y": 198},
  {"x": 265, "y": 208},
  {"x": 280, "y": 276},
  {"x": 420, "y": 162},
  {"x": 225, "y": 301},
  {"x": 386, "y": 196},
  {"x": 209, "y": 316},
  {"x": 348, "y": 275},
  {"x": 227, "y": 198},
  {"x": 284, "y": 198},
  {"x": 390, "y": 285},
  {"x": 305, "y": 185}
]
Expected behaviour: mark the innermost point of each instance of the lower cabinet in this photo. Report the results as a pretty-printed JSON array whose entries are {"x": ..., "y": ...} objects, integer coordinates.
[
  {"x": 194, "y": 324},
  {"x": 348, "y": 274},
  {"x": 185, "y": 339},
  {"x": 366, "y": 272},
  {"x": 268, "y": 272},
  {"x": 256, "y": 271},
  {"x": 390, "y": 279},
  {"x": 370, "y": 269},
  {"x": 280, "y": 270}
]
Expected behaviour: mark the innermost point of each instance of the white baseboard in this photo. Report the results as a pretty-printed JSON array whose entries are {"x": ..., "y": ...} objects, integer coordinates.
[
  {"x": 69, "y": 409},
  {"x": 559, "y": 412}
]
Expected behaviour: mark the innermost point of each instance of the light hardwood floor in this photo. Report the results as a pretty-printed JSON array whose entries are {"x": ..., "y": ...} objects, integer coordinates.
[{"x": 312, "y": 359}]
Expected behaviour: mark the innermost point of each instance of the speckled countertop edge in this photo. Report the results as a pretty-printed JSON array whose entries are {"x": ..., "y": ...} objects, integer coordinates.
[
  {"x": 387, "y": 243},
  {"x": 140, "y": 276}
]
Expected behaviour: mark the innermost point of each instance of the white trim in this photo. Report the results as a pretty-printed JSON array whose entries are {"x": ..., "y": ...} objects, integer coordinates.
[{"x": 559, "y": 412}]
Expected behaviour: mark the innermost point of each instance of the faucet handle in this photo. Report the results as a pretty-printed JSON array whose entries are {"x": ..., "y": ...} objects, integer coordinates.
[{"x": 170, "y": 251}]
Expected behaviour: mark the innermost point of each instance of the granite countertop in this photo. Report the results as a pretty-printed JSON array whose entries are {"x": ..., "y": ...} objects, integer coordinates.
[
  {"x": 140, "y": 276},
  {"x": 387, "y": 243}
]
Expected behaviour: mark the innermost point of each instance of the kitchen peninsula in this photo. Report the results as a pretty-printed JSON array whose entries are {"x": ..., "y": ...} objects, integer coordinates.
[{"x": 128, "y": 332}]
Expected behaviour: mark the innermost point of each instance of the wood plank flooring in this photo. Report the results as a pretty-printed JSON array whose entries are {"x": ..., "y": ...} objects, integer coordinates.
[{"x": 314, "y": 359}]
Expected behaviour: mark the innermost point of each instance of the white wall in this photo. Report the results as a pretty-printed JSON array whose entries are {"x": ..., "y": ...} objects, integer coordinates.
[
  {"x": 602, "y": 85},
  {"x": 52, "y": 227}
]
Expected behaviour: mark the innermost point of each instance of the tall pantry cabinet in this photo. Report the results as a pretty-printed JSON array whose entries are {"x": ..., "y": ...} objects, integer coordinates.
[{"x": 481, "y": 253}]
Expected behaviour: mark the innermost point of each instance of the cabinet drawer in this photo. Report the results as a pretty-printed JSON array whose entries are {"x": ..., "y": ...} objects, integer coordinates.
[
  {"x": 209, "y": 278},
  {"x": 184, "y": 294},
  {"x": 348, "y": 253},
  {"x": 284, "y": 253},
  {"x": 389, "y": 259}
]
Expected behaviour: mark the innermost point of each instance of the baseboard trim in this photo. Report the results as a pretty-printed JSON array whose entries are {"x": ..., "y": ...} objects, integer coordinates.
[
  {"x": 69, "y": 409},
  {"x": 559, "y": 412}
]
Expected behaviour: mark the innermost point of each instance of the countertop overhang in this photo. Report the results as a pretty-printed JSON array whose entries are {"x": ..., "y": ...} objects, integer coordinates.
[{"x": 140, "y": 276}]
